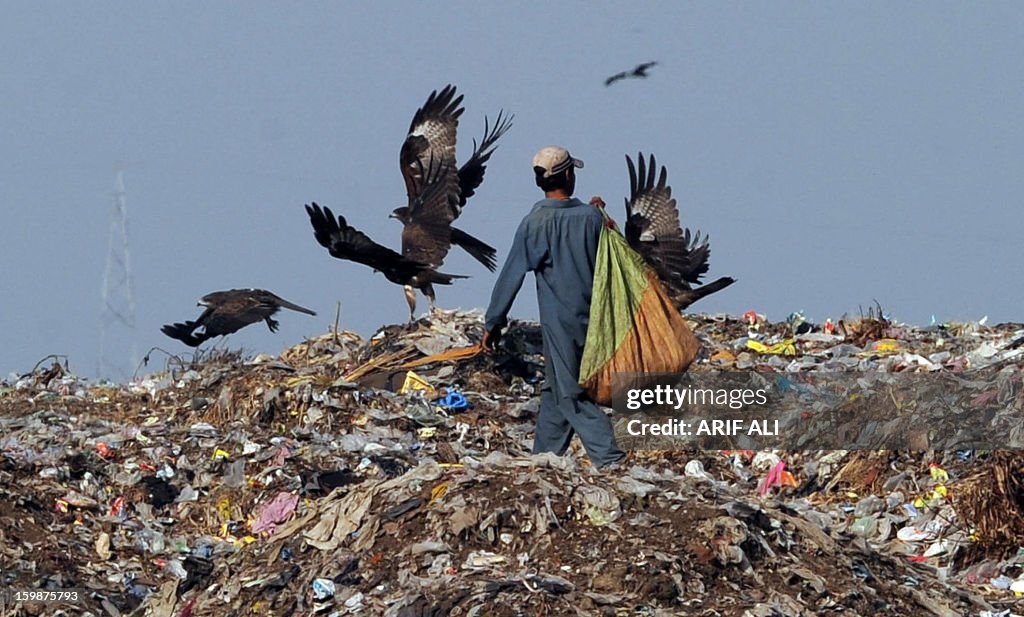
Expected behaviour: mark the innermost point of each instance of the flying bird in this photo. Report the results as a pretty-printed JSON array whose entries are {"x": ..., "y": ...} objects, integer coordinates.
[
  {"x": 432, "y": 137},
  {"x": 639, "y": 72},
  {"x": 425, "y": 240},
  {"x": 653, "y": 230},
  {"x": 230, "y": 311}
]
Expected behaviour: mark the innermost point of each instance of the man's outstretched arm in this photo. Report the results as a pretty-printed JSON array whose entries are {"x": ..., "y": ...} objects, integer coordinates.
[{"x": 505, "y": 288}]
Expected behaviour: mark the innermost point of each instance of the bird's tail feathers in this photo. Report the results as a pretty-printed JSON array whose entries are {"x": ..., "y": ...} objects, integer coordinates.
[
  {"x": 442, "y": 278},
  {"x": 688, "y": 297},
  {"x": 295, "y": 307}
]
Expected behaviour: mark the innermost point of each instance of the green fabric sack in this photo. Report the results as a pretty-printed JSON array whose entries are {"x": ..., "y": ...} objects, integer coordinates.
[{"x": 634, "y": 327}]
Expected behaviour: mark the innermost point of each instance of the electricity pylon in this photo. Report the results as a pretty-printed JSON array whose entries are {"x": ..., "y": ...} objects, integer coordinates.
[{"x": 118, "y": 354}]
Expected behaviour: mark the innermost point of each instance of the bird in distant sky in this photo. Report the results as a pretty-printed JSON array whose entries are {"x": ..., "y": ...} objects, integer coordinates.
[
  {"x": 637, "y": 73},
  {"x": 653, "y": 230},
  {"x": 432, "y": 136},
  {"x": 230, "y": 311}
]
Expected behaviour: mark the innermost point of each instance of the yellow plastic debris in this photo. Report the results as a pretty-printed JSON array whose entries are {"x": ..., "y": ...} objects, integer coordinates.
[
  {"x": 886, "y": 345},
  {"x": 415, "y": 382},
  {"x": 783, "y": 348},
  {"x": 223, "y": 533},
  {"x": 427, "y": 432},
  {"x": 438, "y": 492},
  {"x": 302, "y": 380},
  {"x": 220, "y": 455},
  {"x": 224, "y": 509},
  {"x": 723, "y": 357}
]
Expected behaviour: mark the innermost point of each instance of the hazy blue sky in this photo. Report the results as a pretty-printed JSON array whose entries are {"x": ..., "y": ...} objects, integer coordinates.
[{"x": 835, "y": 152}]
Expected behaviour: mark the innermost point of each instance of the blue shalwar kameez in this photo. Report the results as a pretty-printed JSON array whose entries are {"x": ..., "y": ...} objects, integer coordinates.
[{"x": 557, "y": 241}]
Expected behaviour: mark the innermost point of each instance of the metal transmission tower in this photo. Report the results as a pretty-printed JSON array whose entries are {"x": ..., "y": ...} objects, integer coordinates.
[{"x": 118, "y": 353}]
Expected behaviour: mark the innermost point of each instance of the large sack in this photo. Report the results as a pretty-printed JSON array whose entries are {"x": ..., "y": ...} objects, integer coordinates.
[{"x": 634, "y": 327}]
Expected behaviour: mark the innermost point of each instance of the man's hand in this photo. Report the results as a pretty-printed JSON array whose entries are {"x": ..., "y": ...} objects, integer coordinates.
[
  {"x": 490, "y": 340},
  {"x": 597, "y": 202}
]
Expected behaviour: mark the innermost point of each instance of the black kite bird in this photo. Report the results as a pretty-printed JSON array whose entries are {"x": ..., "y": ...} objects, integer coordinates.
[
  {"x": 230, "y": 311},
  {"x": 639, "y": 72},
  {"x": 431, "y": 137},
  {"x": 433, "y": 204},
  {"x": 653, "y": 230}
]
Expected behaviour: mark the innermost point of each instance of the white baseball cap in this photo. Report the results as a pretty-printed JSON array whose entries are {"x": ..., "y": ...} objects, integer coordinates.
[{"x": 554, "y": 160}]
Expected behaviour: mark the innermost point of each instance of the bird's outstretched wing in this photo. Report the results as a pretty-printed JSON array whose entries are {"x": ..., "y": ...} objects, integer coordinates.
[
  {"x": 471, "y": 174},
  {"x": 346, "y": 242},
  {"x": 426, "y": 237},
  {"x": 641, "y": 69},
  {"x": 653, "y": 230},
  {"x": 186, "y": 333},
  {"x": 431, "y": 136},
  {"x": 616, "y": 77}
]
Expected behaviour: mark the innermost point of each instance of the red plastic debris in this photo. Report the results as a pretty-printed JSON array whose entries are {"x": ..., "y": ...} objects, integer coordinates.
[{"x": 118, "y": 507}]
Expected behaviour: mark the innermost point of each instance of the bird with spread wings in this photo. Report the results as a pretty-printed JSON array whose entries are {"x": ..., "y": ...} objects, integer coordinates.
[
  {"x": 652, "y": 228},
  {"x": 639, "y": 72},
  {"x": 426, "y": 238},
  {"x": 432, "y": 136},
  {"x": 230, "y": 311}
]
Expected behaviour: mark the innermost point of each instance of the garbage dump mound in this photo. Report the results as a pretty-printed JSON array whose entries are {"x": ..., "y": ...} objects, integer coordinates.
[{"x": 393, "y": 476}]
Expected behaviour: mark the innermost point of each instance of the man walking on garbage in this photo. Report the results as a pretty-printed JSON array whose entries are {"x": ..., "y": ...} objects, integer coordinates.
[{"x": 557, "y": 241}]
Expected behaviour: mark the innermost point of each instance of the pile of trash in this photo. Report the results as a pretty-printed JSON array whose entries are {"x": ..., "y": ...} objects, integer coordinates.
[{"x": 393, "y": 476}]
